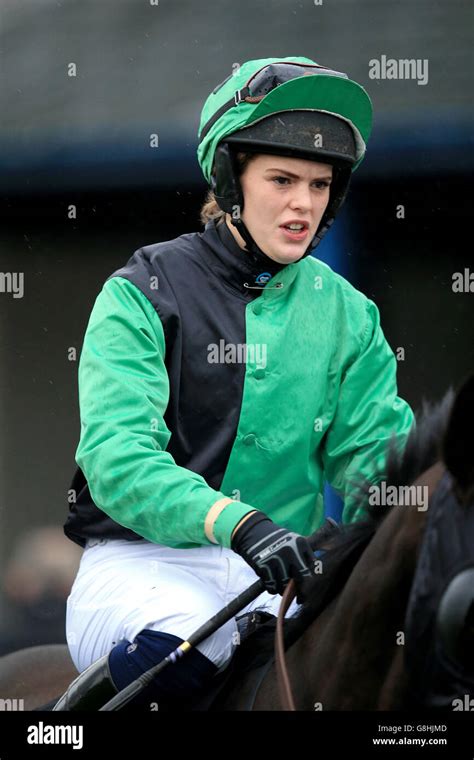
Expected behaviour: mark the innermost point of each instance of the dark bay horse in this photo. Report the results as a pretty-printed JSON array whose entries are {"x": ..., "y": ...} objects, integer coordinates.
[{"x": 362, "y": 640}]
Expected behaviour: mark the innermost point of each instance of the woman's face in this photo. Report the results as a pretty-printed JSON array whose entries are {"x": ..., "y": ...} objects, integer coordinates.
[{"x": 278, "y": 190}]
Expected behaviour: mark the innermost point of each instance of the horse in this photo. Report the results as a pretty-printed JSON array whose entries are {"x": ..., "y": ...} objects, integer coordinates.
[{"x": 367, "y": 638}]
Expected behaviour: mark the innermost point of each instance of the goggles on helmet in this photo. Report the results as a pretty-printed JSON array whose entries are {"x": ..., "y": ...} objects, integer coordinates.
[{"x": 264, "y": 81}]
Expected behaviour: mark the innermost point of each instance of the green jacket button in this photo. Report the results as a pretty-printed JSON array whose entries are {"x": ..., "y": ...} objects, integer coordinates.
[
  {"x": 259, "y": 373},
  {"x": 257, "y": 309},
  {"x": 249, "y": 439}
]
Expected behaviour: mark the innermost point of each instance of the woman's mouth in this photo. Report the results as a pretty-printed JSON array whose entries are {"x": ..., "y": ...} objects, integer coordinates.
[{"x": 294, "y": 234}]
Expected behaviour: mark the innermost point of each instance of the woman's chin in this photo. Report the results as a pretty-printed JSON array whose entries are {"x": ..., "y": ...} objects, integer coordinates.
[{"x": 288, "y": 254}]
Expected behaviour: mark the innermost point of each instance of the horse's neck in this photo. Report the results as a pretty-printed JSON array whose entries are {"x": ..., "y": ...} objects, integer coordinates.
[{"x": 352, "y": 650}]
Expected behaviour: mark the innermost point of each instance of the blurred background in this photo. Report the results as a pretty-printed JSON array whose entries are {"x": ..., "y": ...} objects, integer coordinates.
[{"x": 146, "y": 68}]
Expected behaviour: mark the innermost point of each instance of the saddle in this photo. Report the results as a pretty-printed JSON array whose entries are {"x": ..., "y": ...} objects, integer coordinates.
[{"x": 248, "y": 668}]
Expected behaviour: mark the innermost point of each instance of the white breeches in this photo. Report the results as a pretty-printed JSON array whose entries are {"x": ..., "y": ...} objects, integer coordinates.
[{"x": 123, "y": 587}]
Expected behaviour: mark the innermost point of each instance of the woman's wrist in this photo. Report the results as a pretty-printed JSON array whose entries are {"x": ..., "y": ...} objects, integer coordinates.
[{"x": 241, "y": 522}]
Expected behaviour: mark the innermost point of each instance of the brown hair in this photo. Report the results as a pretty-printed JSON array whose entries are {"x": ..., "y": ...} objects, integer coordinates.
[{"x": 210, "y": 208}]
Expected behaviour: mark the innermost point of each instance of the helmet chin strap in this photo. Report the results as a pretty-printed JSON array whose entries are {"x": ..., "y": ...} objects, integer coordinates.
[{"x": 257, "y": 256}]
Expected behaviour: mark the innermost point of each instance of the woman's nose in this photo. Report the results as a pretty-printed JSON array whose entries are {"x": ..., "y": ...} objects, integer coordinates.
[{"x": 301, "y": 197}]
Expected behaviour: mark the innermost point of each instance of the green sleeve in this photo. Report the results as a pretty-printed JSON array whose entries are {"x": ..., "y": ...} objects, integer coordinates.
[
  {"x": 368, "y": 412},
  {"x": 123, "y": 395}
]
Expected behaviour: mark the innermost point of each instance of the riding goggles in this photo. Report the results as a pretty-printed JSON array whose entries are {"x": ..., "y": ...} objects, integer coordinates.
[{"x": 264, "y": 81}]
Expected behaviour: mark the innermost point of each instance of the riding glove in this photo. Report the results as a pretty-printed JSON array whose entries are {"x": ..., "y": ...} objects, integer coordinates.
[{"x": 275, "y": 554}]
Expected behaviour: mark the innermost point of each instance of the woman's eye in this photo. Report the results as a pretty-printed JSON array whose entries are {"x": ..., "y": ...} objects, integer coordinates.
[{"x": 320, "y": 184}]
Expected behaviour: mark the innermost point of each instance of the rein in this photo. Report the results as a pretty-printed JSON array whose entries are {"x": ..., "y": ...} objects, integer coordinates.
[
  {"x": 283, "y": 680},
  {"x": 317, "y": 541}
]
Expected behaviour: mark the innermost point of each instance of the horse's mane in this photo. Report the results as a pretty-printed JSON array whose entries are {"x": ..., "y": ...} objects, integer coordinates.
[{"x": 421, "y": 451}]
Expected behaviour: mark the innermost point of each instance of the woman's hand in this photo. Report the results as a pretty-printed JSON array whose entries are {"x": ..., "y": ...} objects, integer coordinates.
[{"x": 276, "y": 554}]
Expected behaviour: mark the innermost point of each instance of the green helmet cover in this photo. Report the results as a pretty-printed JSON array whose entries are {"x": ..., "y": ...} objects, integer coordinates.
[{"x": 333, "y": 94}]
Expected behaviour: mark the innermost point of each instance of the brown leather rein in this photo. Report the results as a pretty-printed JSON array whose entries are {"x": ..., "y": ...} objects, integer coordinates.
[{"x": 283, "y": 680}]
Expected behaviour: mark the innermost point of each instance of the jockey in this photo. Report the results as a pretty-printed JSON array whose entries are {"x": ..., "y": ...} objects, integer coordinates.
[{"x": 223, "y": 376}]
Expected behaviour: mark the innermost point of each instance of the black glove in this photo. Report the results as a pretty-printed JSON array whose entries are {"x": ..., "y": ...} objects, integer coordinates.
[{"x": 276, "y": 554}]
